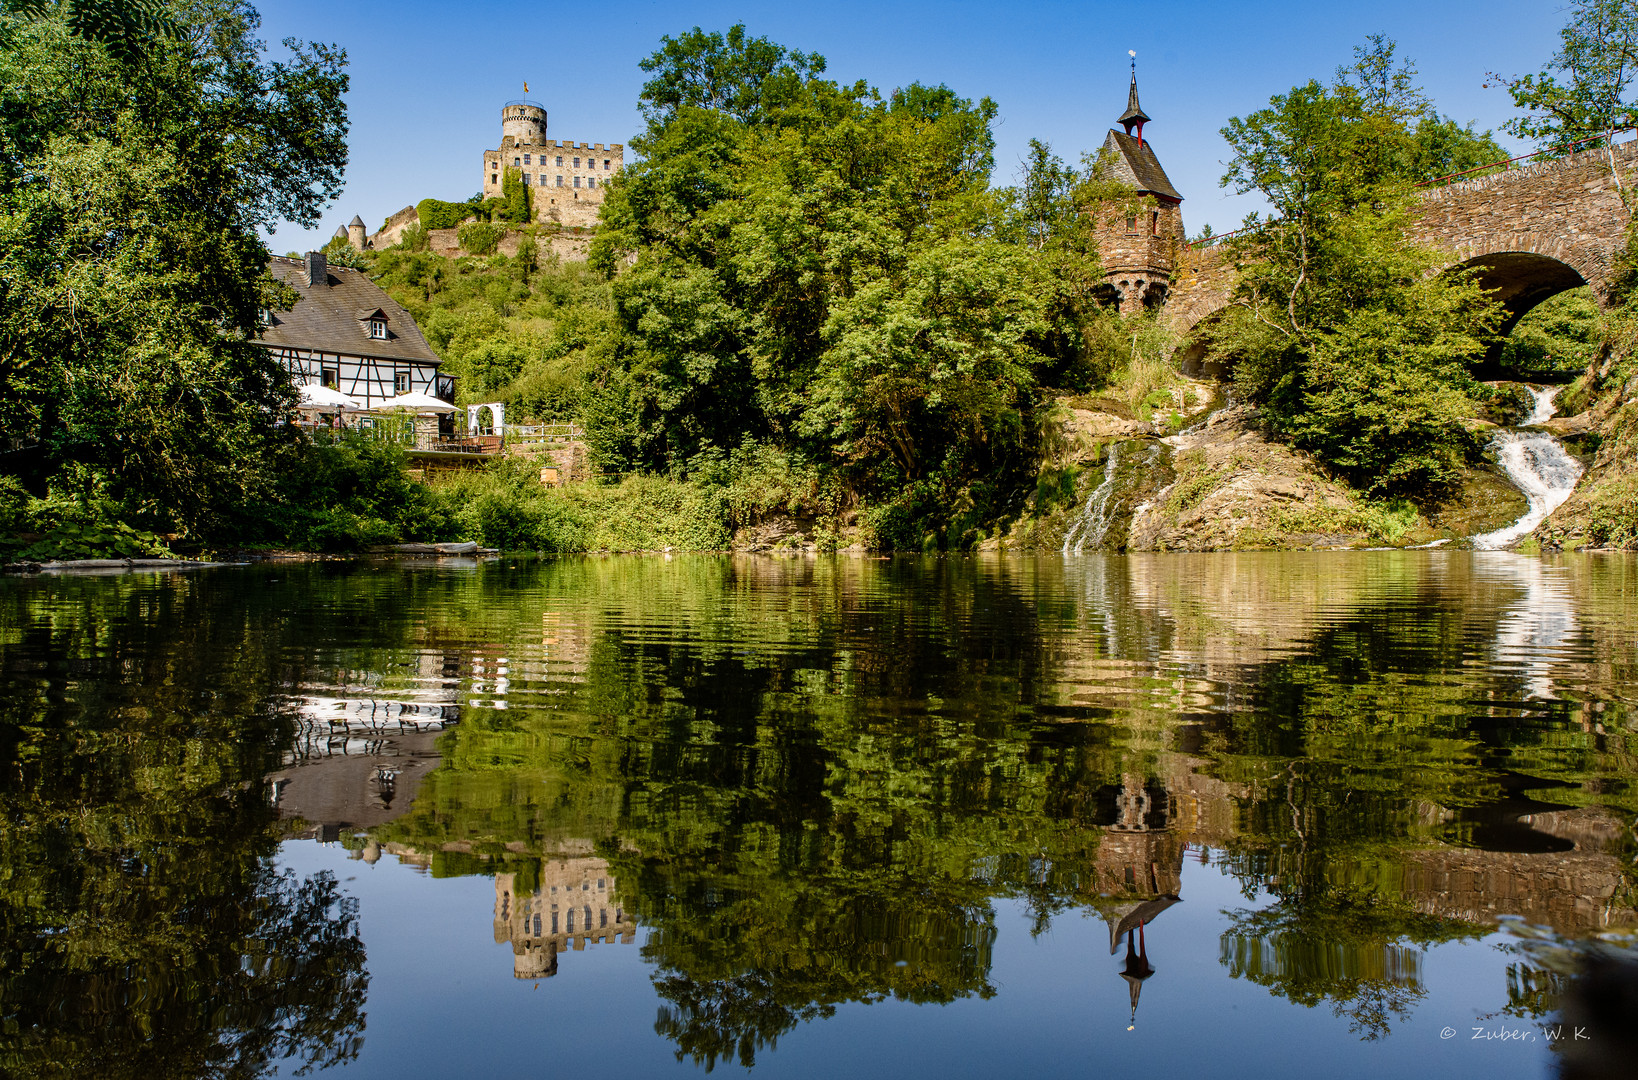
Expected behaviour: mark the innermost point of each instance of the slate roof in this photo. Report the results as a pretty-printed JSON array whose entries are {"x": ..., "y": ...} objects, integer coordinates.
[
  {"x": 1135, "y": 163},
  {"x": 333, "y": 317}
]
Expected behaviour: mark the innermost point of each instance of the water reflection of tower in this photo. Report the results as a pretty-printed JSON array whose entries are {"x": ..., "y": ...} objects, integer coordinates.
[
  {"x": 1140, "y": 873},
  {"x": 573, "y": 904}
]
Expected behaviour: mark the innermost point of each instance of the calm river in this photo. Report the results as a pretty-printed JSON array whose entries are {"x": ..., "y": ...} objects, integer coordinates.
[{"x": 1261, "y": 815}]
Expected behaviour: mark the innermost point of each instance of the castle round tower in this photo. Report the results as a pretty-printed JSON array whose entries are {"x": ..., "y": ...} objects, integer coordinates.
[{"x": 524, "y": 122}]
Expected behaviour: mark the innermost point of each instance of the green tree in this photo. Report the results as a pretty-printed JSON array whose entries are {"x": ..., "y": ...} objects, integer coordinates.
[
  {"x": 1584, "y": 88},
  {"x": 819, "y": 267},
  {"x": 123, "y": 27},
  {"x": 1339, "y": 327},
  {"x": 744, "y": 77},
  {"x": 131, "y": 197}
]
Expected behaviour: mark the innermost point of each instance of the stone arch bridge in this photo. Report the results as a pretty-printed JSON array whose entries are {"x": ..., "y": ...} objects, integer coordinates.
[{"x": 1533, "y": 231}]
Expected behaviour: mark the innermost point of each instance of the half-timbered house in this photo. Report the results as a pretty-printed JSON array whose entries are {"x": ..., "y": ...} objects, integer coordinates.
[{"x": 345, "y": 332}]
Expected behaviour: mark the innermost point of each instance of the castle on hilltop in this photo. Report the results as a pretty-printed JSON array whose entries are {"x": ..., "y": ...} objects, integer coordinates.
[
  {"x": 568, "y": 178},
  {"x": 568, "y": 181},
  {"x": 1140, "y": 240}
]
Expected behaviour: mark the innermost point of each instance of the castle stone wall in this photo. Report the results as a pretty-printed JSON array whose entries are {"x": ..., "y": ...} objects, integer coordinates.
[{"x": 567, "y": 178}]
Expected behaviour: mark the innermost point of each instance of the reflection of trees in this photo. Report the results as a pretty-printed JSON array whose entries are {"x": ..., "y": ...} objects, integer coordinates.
[
  {"x": 143, "y": 929},
  {"x": 812, "y": 780},
  {"x": 1353, "y": 950}
]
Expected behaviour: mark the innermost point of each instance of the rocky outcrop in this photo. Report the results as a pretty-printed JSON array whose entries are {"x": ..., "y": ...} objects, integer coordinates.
[{"x": 1234, "y": 489}]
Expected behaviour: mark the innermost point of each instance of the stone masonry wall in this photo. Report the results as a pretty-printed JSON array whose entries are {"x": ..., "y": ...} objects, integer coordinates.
[
  {"x": 1569, "y": 210},
  {"x": 569, "y": 244},
  {"x": 1138, "y": 247},
  {"x": 392, "y": 230},
  {"x": 568, "y": 178}
]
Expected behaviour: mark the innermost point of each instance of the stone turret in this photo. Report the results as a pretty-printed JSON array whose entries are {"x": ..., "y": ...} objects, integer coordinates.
[
  {"x": 524, "y": 122},
  {"x": 1140, "y": 240},
  {"x": 355, "y": 232}
]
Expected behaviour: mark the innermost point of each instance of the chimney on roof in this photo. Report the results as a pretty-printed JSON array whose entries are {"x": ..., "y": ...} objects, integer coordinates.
[{"x": 317, "y": 270}]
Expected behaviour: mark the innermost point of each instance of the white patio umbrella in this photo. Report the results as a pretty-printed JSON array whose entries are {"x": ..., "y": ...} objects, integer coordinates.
[
  {"x": 324, "y": 399},
  {"x": 415, "y": 402}
]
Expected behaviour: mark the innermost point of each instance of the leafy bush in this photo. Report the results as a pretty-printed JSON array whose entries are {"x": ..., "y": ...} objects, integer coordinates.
[
  {"x": 342, "y": 494},
  {"x": 92, "y": 529},
  {"x": 481, "y": 237},
  {"x": 14, "y": 507},
  {"x": 437, "y": 214},
  {"x": 506, "y": 507}
]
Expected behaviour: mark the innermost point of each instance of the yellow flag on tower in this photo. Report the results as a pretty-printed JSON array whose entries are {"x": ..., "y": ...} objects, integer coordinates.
[{"x": 525, "y": 88}]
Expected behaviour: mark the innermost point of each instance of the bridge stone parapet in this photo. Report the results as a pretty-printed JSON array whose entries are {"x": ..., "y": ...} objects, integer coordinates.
[{"x": 1531, "y": 231}]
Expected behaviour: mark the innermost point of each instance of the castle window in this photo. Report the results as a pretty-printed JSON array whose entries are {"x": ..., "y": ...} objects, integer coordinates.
[
  {"x": 577, "y": 163},
  {"x": 526, "y": 160},
  {"x": 560, "y": 159},
  {"x": 560, "y": 181},
  {"x": 525, "y": 178},
  {"x": 1154, "y": 223},
  {"x": 378, "y": 329},
  {"x": 591, "y": 181},
  {"x": 577, "y": 181},
  {"x": 1131, "y": 223},
  {"x": 605, "y": 164},
  {"x": 515, "y": 161}
]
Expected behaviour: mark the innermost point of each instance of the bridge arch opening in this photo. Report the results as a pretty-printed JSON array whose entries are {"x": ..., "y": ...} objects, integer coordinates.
[
  {"x": 1531, "y": 342},
  {"x": 1194, "y": 356},
  {"x": 1522, "y": 279}
]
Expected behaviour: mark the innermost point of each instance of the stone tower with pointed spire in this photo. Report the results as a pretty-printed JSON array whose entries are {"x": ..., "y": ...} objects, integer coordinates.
[{"x": 1140, "y": 238}]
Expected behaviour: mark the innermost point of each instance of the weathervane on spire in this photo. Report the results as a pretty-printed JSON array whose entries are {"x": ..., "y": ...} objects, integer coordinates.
[{"x": 1134, "y": 115}]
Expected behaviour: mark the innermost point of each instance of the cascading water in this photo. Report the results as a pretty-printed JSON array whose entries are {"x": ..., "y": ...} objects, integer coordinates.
[
  {"x": 1094, "y": 520},
  {"x": 1538, "y": 466},
  {"x": 1107, "y": 509}
]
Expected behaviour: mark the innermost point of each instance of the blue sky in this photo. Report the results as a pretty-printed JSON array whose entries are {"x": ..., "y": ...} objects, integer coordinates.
[{"x": 428, "y": 79}]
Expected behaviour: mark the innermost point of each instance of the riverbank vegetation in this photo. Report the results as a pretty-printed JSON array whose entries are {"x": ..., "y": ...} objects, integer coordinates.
[{"x": 807, "y": 300}]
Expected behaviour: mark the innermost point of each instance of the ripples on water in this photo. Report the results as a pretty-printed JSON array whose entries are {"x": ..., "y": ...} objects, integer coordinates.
[{"x": 793, "y": 803}]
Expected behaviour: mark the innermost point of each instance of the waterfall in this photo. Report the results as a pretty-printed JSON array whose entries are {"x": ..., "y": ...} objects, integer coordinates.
[
  {"x": 1094, "y": 520},
  {"x": 1538, "y": 466}
]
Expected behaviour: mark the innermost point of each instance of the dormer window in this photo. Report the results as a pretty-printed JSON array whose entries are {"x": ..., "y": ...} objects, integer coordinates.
[{"x": 375, "y": 323}]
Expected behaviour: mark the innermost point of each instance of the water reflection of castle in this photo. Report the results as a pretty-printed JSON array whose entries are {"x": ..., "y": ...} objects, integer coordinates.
[
  {"x": 1546, "y": 864},
  {"x": 572, "y": 905},
  {"x": 1139, "y": 871}
]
